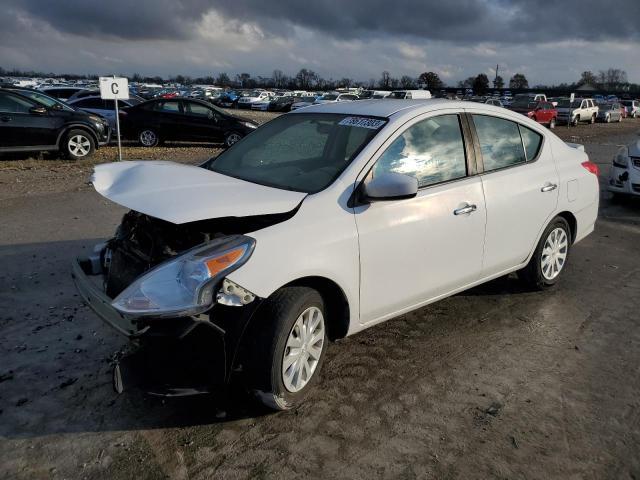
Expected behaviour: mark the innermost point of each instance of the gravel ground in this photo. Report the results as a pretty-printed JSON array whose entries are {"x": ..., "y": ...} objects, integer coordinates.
[{"x": 496, "y": 382}]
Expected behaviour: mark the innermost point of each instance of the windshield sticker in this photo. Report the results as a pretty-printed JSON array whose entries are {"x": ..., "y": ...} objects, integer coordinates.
[{"x": 362, "y": 122}]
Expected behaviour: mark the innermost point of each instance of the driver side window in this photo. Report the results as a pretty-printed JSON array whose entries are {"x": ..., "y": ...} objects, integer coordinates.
[{"x": 432, "y": 151}]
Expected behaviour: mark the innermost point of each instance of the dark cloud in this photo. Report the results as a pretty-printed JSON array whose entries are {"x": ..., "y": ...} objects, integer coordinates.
[
  {"x": 459, "y": 21},
  {"x": 139, "y": 20}
]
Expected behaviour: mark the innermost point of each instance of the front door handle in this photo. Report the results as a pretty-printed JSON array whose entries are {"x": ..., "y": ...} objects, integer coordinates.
[
  {"x": 5, "y": 119},
  {"x": 464, "y": 210},
  {"x": 549, "y": 187}
]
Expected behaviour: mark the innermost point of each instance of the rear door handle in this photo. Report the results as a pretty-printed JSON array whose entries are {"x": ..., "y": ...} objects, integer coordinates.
[
  {"x": 549, "y": 187},
  {"x": 464, "y": 210}
]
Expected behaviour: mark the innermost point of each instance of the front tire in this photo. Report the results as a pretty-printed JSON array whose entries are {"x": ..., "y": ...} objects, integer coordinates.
[
  {"x": 78, "y": 144},
  {"x": 550, "y": 257},
  {"x": 232, "y": 138},
  {"x": 552, "y": 124},
  {"x": 593, "y": 119},
  {"x": 288, "y": 350}
]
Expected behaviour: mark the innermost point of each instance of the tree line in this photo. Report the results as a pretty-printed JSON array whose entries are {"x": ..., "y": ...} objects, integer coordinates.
[{"x": 613, "y": 79}]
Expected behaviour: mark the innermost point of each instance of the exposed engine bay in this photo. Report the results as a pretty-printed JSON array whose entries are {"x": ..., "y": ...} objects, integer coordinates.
[{"x": 141, "y": 242}]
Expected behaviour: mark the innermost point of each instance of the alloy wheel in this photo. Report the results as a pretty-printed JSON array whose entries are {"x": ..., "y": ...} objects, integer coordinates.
[
  {"x": 148, "y": 138},
  {"x": 79, "y": 145},
  {"x": 303, "y": 349},
  {"x": 554, "y": 253},
  {"x": 232, "y": 138}
]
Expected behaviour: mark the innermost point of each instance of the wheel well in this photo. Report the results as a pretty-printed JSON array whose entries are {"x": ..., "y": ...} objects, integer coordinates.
[
  {"x": 336, "y": 303},
  {"x": 573, "y": 223},
  {"x": 64, "y": 133}
]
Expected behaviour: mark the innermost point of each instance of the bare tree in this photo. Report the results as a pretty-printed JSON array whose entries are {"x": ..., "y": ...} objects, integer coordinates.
[
  {"x": 612, "y": 78},
  {"x": 407, "y": 82},
  {"x": 430, "y": 80},
  {"x": 279, "y": 78},
  {"x": 385, "y": 80},
  {"x": 305, "y": 79}
]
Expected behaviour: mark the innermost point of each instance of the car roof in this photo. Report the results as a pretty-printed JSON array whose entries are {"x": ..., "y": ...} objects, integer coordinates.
[{"x": 380, "y": 108}]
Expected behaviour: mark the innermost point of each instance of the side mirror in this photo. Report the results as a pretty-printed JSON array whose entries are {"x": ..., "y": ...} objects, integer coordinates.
[
  {"x": 390, "y": 186},
  {"x": 38, "y": 110}
]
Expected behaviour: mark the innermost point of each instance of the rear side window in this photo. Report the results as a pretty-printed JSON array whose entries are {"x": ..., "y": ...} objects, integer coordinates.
[
  {"x": 432, "y": 151},
  {"x": 500, "y": 142},
  {"x": 14, "y": 104},
  {"x": 169, "y": 106},
  {"x": 532, "y": 142}
]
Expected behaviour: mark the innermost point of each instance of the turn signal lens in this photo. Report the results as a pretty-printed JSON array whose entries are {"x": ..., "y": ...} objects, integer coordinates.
[{"x": 217, "y": 264}]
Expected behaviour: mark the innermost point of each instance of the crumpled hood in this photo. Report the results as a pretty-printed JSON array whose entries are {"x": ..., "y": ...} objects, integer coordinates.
[{"x": 182, "y": 193}]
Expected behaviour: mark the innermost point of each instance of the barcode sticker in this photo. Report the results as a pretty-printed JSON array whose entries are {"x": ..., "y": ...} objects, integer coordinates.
[{"x": 362, "y": 122}]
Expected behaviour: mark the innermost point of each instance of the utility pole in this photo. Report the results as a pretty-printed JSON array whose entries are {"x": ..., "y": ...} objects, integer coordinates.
[{"x": 495, "y": 80}]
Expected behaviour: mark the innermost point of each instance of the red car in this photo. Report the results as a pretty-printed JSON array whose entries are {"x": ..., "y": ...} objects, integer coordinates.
[{"x": 541, "y": 112}]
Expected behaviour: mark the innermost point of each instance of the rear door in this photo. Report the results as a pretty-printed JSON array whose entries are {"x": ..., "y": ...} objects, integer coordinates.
[
  {"x": 20, "y": 126},
  {"x": 520, "y": 185},
  {"x": 168, "y": 118}
]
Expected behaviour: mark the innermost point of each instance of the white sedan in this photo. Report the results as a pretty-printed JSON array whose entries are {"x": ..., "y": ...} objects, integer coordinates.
[
  {"x": 325, "y": 222},
  {"x": 624, "y": 175}
]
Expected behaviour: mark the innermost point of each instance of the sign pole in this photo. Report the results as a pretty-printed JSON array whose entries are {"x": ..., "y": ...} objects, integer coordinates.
[{"x": 115, "y": 101}]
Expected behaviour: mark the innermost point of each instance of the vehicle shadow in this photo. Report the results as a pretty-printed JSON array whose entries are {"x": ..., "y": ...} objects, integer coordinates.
[{"x": 58, "y": 356}]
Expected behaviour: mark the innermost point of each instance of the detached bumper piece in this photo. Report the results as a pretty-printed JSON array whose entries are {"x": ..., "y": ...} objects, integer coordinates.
[{"x": 179, "y": 356}]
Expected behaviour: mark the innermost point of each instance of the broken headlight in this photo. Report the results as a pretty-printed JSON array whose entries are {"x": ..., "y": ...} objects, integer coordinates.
[{"x": 185, "y": 284}]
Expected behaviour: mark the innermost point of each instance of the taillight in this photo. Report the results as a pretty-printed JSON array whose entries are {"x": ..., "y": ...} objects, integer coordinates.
[{"x": 592, "y": 167}]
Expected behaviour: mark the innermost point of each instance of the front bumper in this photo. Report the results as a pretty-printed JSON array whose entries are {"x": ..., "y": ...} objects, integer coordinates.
[
  {"x": 175, "y": 356},
  {"x": 624, "y": 180}
]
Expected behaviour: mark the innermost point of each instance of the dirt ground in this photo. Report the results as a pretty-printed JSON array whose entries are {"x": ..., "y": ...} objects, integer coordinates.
[{"x": 497, "y": 382}]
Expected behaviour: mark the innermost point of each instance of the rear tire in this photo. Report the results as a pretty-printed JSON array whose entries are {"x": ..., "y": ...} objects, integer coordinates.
[
  {"x": 620, "y": 119},
  {"x": 78, "y": 144},
  {"x": 552, "y": 124},
  {"x": 550, "y": 256},
  {"x": 148, "y": 137},
  {"x": 286, "y": 353},
  {"x": 593, "y": 119}
]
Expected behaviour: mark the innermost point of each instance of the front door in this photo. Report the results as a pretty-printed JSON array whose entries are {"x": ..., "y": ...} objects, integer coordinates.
[
  {"x": 21, "y": 126},
  {"x": 415, "y": 250}
]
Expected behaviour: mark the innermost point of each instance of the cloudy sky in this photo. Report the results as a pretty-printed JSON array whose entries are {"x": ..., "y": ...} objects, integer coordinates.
[{"x": 550, "y": 41}]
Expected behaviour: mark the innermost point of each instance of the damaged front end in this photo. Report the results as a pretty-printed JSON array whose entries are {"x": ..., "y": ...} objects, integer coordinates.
[{"x": 164, "y": 286}]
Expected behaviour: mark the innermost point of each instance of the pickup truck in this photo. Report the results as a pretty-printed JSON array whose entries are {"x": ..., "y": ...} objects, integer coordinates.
[{"x": 580, "y": 110}]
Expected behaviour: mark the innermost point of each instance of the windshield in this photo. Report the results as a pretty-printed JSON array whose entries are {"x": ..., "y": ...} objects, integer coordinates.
[
  {"x": 300, "y": 152},
  {"x": 329, "y": 96},
  {"x": 307, "y": 99},
  {"x": 397, "y": 95},
  {"x": 46, "y": 100},
  {"x": 524, "y": 102}
]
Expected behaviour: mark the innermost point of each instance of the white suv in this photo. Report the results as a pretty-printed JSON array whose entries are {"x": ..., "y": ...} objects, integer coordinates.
[
  {"x": 324, "y": 222},
  {"x": 581, "y": 110}
]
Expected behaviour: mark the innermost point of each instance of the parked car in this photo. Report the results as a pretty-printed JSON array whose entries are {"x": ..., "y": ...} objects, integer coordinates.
[
  {"x": 261, "y": 256},
  {"x": 304, "y": 101},
  {"x": 246, "y": 101},
  {"x": 494, "y": 101},
  {"x": 624, "y": 175},
  {"x": 542, "y": 111},
  {"x": 29, "y": 123},
  {"x": 62, "y": 93},
  {"x": 276, "y": 104},
  {"x": 227, "y": 100},
  {"x": 181, "y": 119},
  {"x": 633, "y": 107},
  {"x": 581, "y": 110},
  {"x": 104, "y": 108},
  {"x": 609, "y": 112},
  {"x": 335, "y": 97},
  {"x": 409, "y": 95},
  {"x": 529, "y": 97}
]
